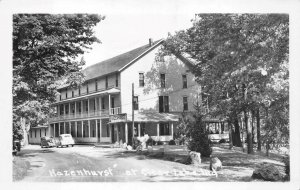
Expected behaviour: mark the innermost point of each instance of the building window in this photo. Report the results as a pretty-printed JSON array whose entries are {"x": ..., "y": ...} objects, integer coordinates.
[
  {"x": 72, "y": 94},
  {"x": 106, "y": 82},
  {"x": 117, "y": 80},
  {"x": 94, "y": 107},
  {"x": 96, "y": 85},
  {"x": 79, "y": 107},
  {"x": 164, "y": 129},
  {"x": 79, "y": 92},
  {"x": 185, "y": 104},
  {"x": 67, "y": 109},
  {"x": 141, "y": 79},
  {"x": 86, "y": 105},
  {"x": 60, "y": 97},
  {"x": 136, "y": 103},
  {"x": 163, "y": 104},
  {"x": 184, "y": 81},
  {"x": 162, "y": 80},
  {"x": 73, "y": 108},
  {"x": 61, "y": 110},
  {"x": 87, "y": 88},
  {"x": 103, "y": 103}
]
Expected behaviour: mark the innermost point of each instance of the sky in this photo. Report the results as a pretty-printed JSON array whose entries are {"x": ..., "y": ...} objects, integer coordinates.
[{"x": 120, "y": 33}]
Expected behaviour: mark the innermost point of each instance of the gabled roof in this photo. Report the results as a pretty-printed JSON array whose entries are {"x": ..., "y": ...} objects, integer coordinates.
[{"x": 119, "y": 62}]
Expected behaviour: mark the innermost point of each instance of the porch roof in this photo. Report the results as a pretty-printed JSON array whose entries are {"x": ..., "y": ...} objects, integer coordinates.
[
  {"x": 110, "y": 91},
  {"x": 150, "y": 117}
]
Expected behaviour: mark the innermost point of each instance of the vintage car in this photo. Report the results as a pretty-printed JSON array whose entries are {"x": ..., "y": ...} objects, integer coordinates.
[
  {"x": 47, "y": 142},
  {"x": 65, "y": 140}
]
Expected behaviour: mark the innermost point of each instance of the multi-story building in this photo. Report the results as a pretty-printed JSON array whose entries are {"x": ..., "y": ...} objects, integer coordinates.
[{"x": 100, "y": 110}]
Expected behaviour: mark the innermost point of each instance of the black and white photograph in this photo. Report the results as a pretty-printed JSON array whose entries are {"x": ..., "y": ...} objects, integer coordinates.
[{"x": 151, "y": 91}]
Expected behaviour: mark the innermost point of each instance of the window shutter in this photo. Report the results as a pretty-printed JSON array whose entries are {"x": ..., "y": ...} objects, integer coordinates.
[
  {"x": 166, "y": 103},
  {"x": 161, "y": 104}
]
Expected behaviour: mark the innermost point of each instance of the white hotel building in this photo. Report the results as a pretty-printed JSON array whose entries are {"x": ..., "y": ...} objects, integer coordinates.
[{"x": 100, "y": 111}]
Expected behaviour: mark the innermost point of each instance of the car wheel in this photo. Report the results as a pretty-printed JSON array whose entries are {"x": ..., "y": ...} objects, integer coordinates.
[
  {"x": 72, "y": 145},
  {"x": 67, "y": 145}
]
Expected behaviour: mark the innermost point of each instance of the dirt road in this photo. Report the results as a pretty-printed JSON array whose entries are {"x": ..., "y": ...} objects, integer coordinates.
[{"x": 86, "y": 163}]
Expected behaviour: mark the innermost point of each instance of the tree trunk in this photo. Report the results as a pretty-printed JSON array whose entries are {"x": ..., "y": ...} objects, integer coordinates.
[
  {"x": 258, "y": 130},
  {"x": 230, "y": 135},
  {"x": 249, "y": 135},
  {"x": 236, "y": 135},
  {"x": 25, "y": 135},
  {"x": 252, "y": 126}
]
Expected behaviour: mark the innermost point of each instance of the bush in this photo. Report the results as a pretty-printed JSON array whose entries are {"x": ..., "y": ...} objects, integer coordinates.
[
  {"x": 150, "y": 142},
  {"x": 222, "y": 141},
  {"x": 159, "y": 143},
  {"x": 172, "y": 142},
  {"x": 286, "y": 161}
]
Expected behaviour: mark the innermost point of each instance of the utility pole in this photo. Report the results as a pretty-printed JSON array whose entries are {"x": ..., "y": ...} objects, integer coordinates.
[{"x": 132, "y": 98}]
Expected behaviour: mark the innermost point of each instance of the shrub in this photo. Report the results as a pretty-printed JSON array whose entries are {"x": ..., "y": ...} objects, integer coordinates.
[
  {"x": 150, "y": 142},
  {"x": 159, "y": 143},
  {"x": 286, "y": 161},
  {"x": 172, "y": 142},
  {"x": 222, "y": 141}
]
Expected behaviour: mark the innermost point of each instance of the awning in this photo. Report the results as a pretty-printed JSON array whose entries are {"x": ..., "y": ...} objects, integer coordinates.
[
  {"x": 110, "y": 91},
  {"x": 150, "y": 117}
]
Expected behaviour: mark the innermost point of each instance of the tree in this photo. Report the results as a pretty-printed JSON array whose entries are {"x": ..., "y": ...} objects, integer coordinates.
[
  {"x": 198, "y": 136},
  {"x": 45, "y": 52},
  {"x": 236, "y": 56}
]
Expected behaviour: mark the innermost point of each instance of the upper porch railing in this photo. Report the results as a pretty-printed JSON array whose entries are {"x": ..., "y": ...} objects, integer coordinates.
[{"x": 82, "y": 115}]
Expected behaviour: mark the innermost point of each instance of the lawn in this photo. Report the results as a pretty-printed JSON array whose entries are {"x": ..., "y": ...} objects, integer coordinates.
[{"x": 237, "y": 165}]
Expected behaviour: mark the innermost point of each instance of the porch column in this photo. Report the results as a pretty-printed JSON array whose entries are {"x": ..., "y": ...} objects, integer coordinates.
[
  {"x": 139, "y": 128},
  {"x": 75, "y": 128},
  {"x": 96, "y": 108},
  {"x": 157, "y": 130},
  {"x": 109, "y": 104},
  {"x": 82, "y": 128},
  {"x": 96, "y": 124},
  {"x": 126, "y": 132},
  {"x": 69, "y": 108},
  {"x": 172, "y": 130},
  {"x": 100, "y": 108},
  {"x": 89, "y": 125},
  {"x": 81, "y": 105},
  {"x": 75, "y": 112},
  {"x": 100, "y": 130},
  {"x": 58, "y": 129},
  {"x": 88, "y": 102}
]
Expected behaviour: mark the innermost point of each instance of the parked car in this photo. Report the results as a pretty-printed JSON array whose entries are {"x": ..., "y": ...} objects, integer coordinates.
[
  {"x": 16, "y": 147},
  {"x": 47, "y": 142},
  {"x": 65, "y": 140}
]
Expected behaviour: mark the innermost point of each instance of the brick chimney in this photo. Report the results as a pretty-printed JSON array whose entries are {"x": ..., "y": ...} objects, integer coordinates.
[{"x": 150, "y": 42}]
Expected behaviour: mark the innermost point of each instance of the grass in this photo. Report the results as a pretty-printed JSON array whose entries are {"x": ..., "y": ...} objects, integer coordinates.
[{"x": 20, "y": 167}]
